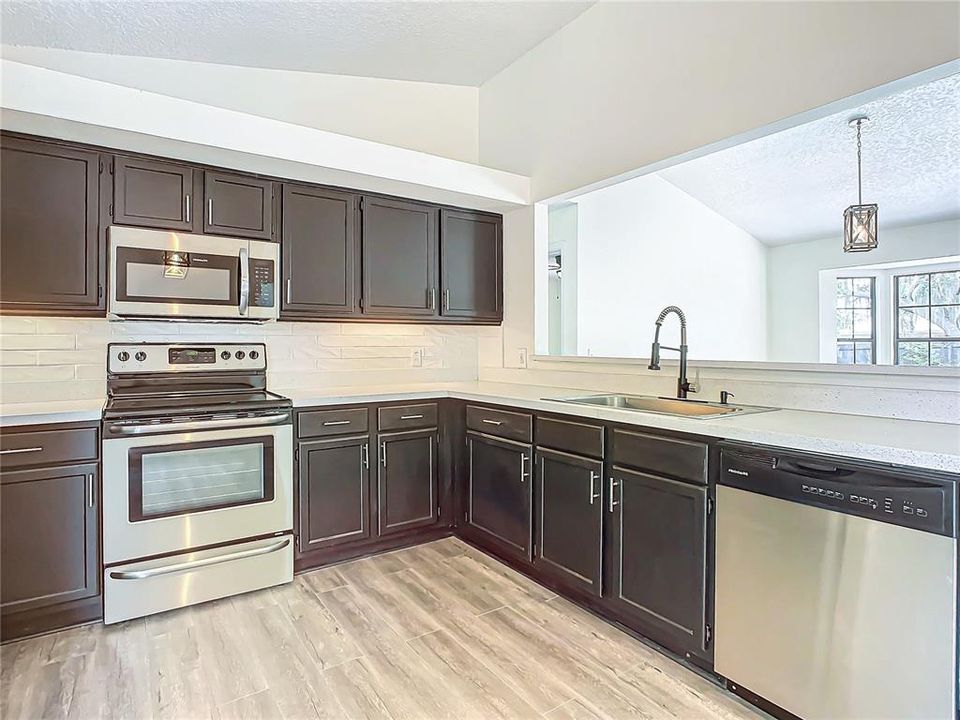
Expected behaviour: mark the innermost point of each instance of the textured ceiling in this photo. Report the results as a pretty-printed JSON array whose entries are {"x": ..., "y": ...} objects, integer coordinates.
[
  {"x": 795, "y": 184},
  {"x": 461, "y": 43}
]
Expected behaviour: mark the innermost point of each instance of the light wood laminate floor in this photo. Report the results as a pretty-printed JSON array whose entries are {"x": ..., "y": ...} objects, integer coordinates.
[{"x": 434, "y": 631}]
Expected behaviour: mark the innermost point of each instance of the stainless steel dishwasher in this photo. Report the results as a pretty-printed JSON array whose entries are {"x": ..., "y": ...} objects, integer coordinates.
[{"x": 836, "y": 586}]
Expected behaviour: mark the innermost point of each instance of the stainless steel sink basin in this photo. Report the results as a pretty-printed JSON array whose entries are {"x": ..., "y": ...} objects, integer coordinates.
[{"x": 665, "y": 406}]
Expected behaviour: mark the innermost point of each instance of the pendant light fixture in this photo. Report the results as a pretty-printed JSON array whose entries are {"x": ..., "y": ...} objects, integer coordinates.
[{"x": 859, "y": 221}]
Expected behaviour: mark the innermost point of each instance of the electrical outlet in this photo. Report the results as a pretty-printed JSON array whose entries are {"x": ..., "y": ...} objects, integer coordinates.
[
  {"x": 416, "y": 358},
  {"x": 523, "y": 357}
]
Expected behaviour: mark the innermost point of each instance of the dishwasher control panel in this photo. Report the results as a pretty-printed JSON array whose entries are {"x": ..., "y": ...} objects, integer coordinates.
[{"x": 919, "y": 501}]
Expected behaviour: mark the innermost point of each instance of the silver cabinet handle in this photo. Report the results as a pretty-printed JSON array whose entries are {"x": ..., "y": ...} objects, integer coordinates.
[
  {"x": 593, "y": 480},
  {"x": 523, "y": 467},
  {"x": 365, "y": 455},
  {"x": 181, "y": 567},
  {"x": 244, "y": 280},
  {"x": 432, "y": 298},
  {"x": 613, "y": 486},
  {"x": 210, "y": 211},
  {"x": 336, "y": 422},
  {"x": 90, "y": 490},
  {"x": 289, "y": 290},
  {"x": 188, "y": 209},
  {"x": 135, "y": 428},
  {"x": 410, "y": 417},
  {"x": 383, "y": 454},
  {"x": 492, "y": 422},
  {"x": 17, "y": 451},
  {"x": 446, "y": 299}
]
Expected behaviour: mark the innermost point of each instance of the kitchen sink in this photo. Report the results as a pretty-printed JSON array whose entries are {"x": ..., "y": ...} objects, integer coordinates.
[{"x": 665, "y": 406}]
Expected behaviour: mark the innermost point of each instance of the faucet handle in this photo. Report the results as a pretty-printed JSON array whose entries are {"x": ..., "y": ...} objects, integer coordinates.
[{"x": 725, "y": 397}]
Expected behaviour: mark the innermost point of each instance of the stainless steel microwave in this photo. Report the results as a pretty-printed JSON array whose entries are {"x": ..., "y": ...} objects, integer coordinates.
[{"x": 180, "y": 276}]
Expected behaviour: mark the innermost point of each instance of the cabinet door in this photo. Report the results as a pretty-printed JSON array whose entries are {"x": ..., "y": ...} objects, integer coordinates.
[
  {"x": 399, "y": 258},
  {"x": 334, "y": 492},
  {"x": 659, "y": 551},
  {"x": 471, "y": 265},
  {"x": 499, "y": 493},
  {"x": 237, "y": 205},
  {"x": 153, "y": 194},
  {"x": 48, "y": 526},
  {"x": 569, "y": 519},
  {"x": 49, "y": 241},
  {"x": 320, "y": 249},
  {"x": 407, "y": 480}
]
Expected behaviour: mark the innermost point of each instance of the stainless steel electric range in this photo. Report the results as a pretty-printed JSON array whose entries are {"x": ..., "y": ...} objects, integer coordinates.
[{"x": 197, "y": 477}]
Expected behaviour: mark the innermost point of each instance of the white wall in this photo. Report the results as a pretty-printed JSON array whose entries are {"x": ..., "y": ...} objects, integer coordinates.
[
  {"x": 628, "y": 84},
  {"x": 793, "y": 273},
  {"x": 645, "y": 244},
  {"x": 429, "y": 117}
]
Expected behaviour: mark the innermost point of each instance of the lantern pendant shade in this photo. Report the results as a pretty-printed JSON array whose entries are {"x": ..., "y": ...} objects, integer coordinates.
[{"x": 860, "y": 228}]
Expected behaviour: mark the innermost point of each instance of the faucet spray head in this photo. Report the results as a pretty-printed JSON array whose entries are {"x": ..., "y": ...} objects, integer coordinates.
[{"x": 654, "y": 357}]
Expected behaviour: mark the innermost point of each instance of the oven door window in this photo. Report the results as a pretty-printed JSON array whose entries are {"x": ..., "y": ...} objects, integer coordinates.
[
  {"x": 168, "y": 480},
  {"x": 162, "y": 276}
]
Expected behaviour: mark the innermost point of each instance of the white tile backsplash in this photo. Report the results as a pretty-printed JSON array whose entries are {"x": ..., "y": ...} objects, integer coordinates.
[{"x": 62, "y": 358}]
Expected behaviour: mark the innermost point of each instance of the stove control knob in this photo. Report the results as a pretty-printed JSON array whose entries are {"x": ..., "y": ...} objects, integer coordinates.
[
  {"x": 141, "y": 356},
  {"x": 225, "y": 355},
  {"x": 123, "y": 356},
  {"x": 254, "y": 354},
  {"x": 240, "y": 354}
]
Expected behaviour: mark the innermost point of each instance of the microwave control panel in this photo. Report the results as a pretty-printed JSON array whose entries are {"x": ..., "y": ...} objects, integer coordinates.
[{"x": 262, "y": 284}]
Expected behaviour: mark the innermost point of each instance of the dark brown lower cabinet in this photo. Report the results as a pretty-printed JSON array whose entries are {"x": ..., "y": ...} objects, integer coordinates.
[
  {"x": 334, "y": 492},
  {"x": 569, "y": 519},
  {"x": 500, "y": 492},
  {"x": 49, "y": 548},
  {"x": 407, "y": 481},
  {"x": 658, "y": 558}
]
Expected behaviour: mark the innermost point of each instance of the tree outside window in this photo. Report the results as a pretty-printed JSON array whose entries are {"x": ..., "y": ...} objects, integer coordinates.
[
  {"x": 928, "y": 319},
  {"x": 856, "y": 321}
]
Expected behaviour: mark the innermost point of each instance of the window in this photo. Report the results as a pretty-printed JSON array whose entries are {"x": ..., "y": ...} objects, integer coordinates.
[
  {"x": 856, "y": 321},
  {"x": 928, "y": 319}
]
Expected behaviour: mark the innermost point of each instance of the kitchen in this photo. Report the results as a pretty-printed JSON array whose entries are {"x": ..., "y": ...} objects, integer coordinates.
[{"x": 335, "y": 396}]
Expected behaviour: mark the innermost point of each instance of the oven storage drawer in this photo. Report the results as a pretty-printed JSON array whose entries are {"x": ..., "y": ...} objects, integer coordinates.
[
  {"x": 48, "y": 447},
  {"x": 321, "y": 423},
  {"x": 147, "y": 587}
]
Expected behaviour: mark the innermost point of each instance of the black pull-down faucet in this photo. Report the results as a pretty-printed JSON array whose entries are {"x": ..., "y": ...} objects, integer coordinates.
[{"x": 683, "y": 385}]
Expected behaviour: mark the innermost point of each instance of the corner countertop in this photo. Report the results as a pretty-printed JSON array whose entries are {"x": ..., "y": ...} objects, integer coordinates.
[{"x": 935, "y": 446}]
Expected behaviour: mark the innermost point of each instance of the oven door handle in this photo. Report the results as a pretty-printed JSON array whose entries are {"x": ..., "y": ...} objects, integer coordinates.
[
  {"x": 141, "y": 428},
  {"x": 244, "y": 280},
  {"x": 194, "y": 564}
]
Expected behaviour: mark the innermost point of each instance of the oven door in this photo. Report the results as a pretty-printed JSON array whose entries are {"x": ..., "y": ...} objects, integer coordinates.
[
  {"x": 184, "y": 490},
  {"x": 174, "y": 276}
]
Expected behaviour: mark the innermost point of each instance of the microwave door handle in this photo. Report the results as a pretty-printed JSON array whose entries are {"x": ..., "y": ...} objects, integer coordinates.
[{"x": 244, "y": 280}]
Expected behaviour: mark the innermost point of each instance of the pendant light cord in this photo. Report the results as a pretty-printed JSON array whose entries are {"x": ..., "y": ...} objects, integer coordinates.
[{"x": 859, "y": 171}]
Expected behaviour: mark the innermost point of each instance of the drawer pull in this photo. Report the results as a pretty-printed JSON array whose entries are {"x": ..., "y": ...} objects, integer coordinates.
[
  {"x": 411, "y": 417},
  {"x": 335, "y": 422},
  {"x": 17, "y": 451},
  {"x": 493, "y": 422}
]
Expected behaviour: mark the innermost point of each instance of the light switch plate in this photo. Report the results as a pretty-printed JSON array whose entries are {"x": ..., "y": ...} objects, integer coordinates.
[{"x": 523, "y": 357}]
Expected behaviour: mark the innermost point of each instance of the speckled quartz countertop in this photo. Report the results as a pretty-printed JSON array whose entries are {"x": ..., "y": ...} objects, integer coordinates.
[{"x": 902, "y": 442}]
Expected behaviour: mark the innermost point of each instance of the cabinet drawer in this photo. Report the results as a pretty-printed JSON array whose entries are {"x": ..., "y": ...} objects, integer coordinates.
[
  {"x": 570, "y": 436},
  {"x": 319, "y": 423},
  {"x": 515, "y": 426},
  {"x": 48, "y": 447},
  {"x": 681, "y": 459},
  {"x": 407, "y": 417}
]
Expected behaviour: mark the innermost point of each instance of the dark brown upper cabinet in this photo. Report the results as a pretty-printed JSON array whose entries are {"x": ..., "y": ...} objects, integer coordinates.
[
  {"x": 471, "y": 265},
  {"x": 320, "y": 252},
  {"x": 399, "y": 258},
  {"x": 153, "y": 194},
  {"x": 51, "y": 260},
  {"x": 237, "y": 205}
]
